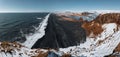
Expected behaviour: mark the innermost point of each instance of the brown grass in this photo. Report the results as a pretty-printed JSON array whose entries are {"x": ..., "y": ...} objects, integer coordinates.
[
  {"x": 41, "y": 54},
  {"x": 66, "y": 55},
  {"x": 92, "y": 27},
  {"x": 8, "y": 46},
  {"x": 108, "y": 18}
]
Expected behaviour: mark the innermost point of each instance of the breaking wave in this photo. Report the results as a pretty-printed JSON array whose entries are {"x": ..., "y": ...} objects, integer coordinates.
[{"x": 39, "y": 32}]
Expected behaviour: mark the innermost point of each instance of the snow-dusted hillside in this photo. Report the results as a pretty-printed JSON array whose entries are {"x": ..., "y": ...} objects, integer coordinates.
[
  {"x": 8, "y": 49},
  {"x": 103, "y": 44}
]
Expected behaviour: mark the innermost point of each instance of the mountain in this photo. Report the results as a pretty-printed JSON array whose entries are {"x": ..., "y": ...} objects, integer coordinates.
[
  {"x": 70, "y": 35},
  {"x": 102, "y": 36}
]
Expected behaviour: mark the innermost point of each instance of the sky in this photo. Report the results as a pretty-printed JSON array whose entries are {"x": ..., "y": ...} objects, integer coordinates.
[{"x": 57, "y": 5}]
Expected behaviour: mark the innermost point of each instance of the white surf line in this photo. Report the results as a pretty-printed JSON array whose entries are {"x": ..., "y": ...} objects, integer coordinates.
[{"x": 31, "y": 39}]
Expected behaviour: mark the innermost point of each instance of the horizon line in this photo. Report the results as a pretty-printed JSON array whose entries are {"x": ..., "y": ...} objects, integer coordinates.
[{"x": 58, "y": 11}]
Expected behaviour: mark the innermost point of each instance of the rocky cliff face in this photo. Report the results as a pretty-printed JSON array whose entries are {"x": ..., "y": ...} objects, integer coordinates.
[
  {"x": 101, "y": 32},
  {"x": 61, "y": 34}
]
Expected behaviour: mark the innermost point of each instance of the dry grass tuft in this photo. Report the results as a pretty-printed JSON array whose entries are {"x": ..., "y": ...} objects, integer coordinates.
[{"x": 66, "y": 55}]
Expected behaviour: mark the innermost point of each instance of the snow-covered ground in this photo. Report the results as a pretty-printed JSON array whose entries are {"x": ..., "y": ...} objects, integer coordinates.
[
  {"x": 103, "y": 45},
  {"x": 40, "y": 32},
  {"x": 16, "y": 50}
]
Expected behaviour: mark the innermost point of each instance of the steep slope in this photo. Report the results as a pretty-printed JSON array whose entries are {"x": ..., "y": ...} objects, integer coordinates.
[
  {"x": 61, "y": 34},
  {"x": 102, "y": 37},
  {"x": 100, "y": 46}
]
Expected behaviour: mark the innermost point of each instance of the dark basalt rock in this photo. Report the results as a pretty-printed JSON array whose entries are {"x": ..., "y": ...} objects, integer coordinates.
[{"x": 61, "y": 34}]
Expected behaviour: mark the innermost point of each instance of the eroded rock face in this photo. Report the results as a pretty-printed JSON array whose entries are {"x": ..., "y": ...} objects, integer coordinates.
[{"x": 61, "y": 34}]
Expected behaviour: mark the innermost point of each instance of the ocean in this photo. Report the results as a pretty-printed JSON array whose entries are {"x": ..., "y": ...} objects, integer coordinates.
[
  {"x": 40, "y": 30},
  {"x": 14, "y": 25}
]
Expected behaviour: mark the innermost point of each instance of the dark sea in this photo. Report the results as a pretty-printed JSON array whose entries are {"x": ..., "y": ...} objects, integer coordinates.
[{"x": 13, "y": 25}]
